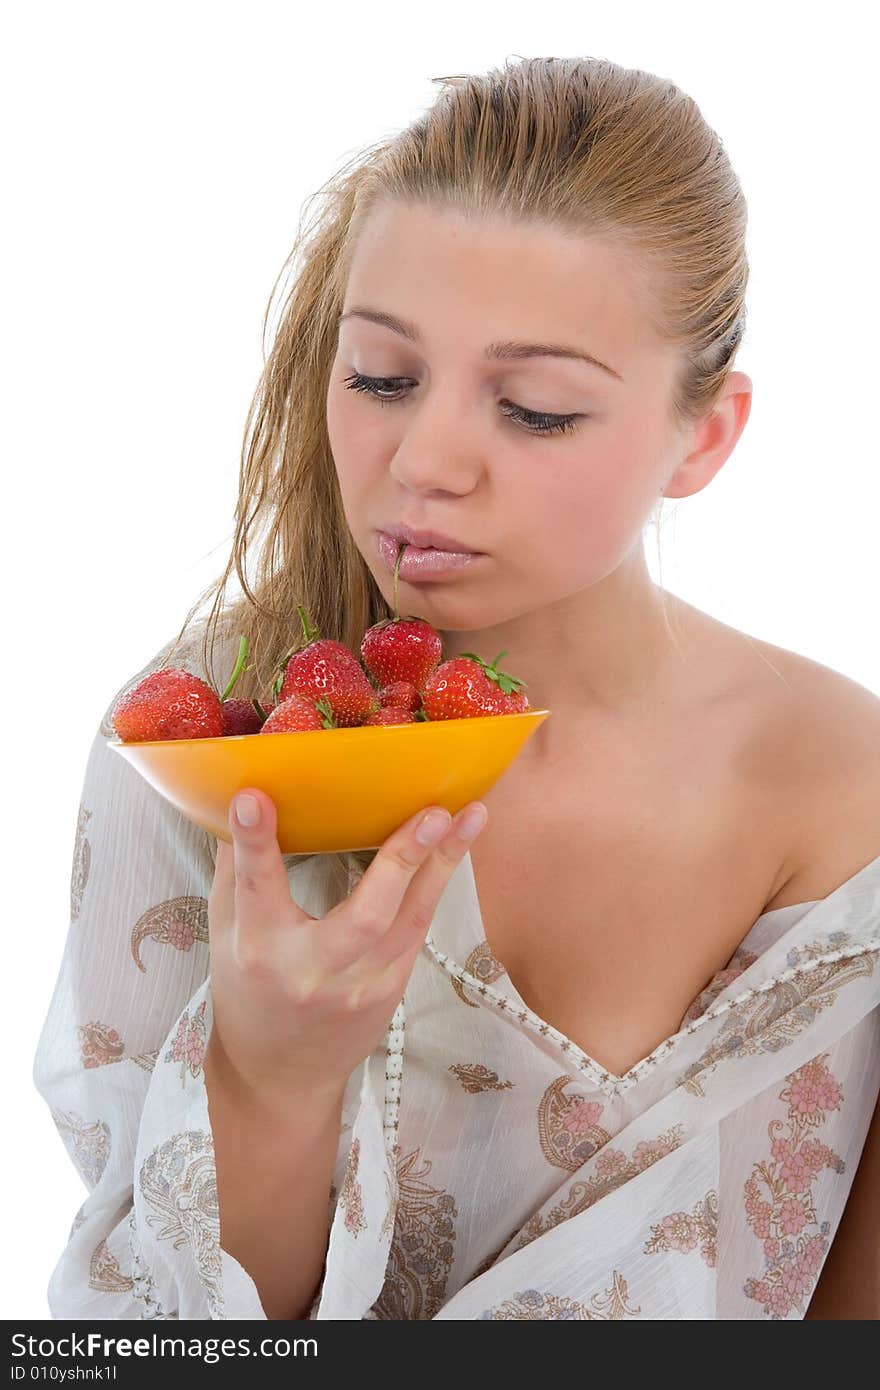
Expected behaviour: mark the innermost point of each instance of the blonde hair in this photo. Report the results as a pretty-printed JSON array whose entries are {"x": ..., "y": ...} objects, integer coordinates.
[{"x": 582, "y": 145}]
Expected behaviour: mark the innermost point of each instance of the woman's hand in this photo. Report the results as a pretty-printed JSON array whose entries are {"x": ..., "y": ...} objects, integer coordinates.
[{"x": 300, "y": 1001}]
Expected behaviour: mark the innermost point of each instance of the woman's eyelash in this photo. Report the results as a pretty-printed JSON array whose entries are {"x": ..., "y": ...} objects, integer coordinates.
[{"x": 538, "y": 421}]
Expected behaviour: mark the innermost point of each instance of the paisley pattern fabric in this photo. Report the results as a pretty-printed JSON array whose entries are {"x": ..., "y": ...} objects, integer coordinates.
[{"x": 486, "y": 1166}]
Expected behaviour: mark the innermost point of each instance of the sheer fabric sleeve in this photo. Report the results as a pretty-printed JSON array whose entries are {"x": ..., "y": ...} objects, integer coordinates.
[{"x": 119, "y": 1059}]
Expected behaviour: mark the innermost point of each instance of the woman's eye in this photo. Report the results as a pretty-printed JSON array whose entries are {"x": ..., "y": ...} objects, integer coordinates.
[{"x": 538, "y": 421}]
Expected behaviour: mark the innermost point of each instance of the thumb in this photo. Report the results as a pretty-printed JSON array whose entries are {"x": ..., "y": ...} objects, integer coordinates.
[
  {"x": 251, "y": 810},
  {"x": 261, "y": 885}
]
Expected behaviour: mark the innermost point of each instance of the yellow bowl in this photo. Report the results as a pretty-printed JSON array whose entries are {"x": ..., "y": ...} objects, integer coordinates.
[{"x": 335, "y": 789}]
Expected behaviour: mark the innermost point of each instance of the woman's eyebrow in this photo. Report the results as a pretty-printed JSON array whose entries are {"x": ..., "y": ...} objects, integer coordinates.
[{"x": 500, "y": 351}]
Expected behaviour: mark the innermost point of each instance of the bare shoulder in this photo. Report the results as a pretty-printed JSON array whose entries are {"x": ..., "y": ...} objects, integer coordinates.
[{"x": 825, "y": 732}]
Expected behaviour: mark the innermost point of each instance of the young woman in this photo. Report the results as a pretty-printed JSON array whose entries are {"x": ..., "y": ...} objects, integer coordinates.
[{"x": 617, "y": 1056}]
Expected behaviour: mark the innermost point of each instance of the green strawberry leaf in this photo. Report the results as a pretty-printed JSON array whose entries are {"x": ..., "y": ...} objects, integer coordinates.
[
  {"x": 326, "y": 712},
  {"x": 509, "y": 684}
]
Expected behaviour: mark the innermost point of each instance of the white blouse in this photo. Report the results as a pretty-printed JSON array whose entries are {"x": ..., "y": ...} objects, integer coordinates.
[{"x": 486, "y": 1167}]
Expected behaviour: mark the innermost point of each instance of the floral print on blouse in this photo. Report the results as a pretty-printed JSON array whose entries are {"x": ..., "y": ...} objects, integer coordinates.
[{"x": 486, "y": 1166}]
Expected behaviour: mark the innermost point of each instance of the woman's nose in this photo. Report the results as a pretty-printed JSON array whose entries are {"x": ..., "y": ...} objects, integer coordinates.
[{"x": 440, "y": 448}]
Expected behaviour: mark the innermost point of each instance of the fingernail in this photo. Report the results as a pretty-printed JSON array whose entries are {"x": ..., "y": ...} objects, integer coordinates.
[
  {"x": 433, "y": 827},
  {"x": 247, "y": 810},
  {"x": 472, "y": 822}
]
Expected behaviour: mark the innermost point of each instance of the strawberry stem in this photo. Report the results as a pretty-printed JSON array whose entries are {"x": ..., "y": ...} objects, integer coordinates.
[
  {"x": 309, "y": 632},
  {"x": 400, "y": 549},
  {"x": 237, "y": 669}
]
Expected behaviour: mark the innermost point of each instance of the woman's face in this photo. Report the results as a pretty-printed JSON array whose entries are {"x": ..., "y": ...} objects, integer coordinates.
[{"x": 457, "y": 449}]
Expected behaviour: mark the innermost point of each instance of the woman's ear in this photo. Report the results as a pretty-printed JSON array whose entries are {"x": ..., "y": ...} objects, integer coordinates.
[{"x": 714, "y": 439}]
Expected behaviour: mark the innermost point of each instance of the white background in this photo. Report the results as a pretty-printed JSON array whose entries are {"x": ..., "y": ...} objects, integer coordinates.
[{"x": 157, "y": 158}]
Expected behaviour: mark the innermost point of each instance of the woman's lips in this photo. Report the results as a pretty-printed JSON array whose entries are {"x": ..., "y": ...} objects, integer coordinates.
[{"x": 418, "y": 564}]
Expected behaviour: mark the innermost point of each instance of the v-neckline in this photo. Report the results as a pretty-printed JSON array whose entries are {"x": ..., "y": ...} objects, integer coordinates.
[{"x": 609, "y": 1082}]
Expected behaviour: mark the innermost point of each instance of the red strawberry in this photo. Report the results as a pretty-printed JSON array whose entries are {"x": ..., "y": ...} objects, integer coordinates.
[
  {"x": 400, "y": 695},
  {"x": 329, "y": 670},
  {"x": 391, "y": 714},
  {"x": 171, "y": 703},
  {"x": 466, "y": 687},
  {"x": 516, "y": 702},
  {"x": 401, "y": 649},
  {"x": 241, "y": 717},
  {"x": 298, "y": 714}
]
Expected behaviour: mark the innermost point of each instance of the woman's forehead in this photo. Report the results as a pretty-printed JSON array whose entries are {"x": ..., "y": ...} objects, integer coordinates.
[{"x": 424, "y": 273}]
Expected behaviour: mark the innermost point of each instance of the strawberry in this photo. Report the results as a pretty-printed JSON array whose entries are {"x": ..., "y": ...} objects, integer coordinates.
[
  {"x": 241, "y": 717},
  {"x": 299, "y": 714},
  {"x": 401, "y": 649},
  {"x": 326, "y": 669},
  {"x": 391, "y": 714},
  {"x": 400, "y": 695},
  {"x": 465, "y": 687},
  {"x": 173, "y": 703},
  {"x": 170, "y": 703},
  {"x": 244, "y": 716}
]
